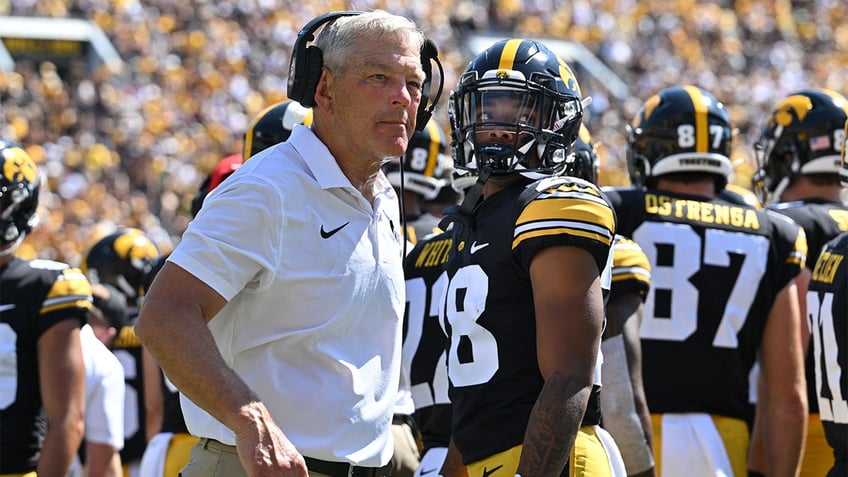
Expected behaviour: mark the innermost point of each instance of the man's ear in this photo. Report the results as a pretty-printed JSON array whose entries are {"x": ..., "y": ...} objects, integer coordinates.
[{"x": 323, "y": 92}]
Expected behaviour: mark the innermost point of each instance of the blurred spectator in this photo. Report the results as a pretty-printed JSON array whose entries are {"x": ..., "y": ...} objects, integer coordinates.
[{"x": 129, "y": 147}]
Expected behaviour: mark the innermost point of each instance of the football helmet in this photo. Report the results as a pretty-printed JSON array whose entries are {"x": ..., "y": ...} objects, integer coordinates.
[
  {"x": 222, "y": 170},
  {"x": 20, "y": 184},
  {"x": 274, "y": 125},
  {"x": 516, "y": 109},
  {"x": 122, "y": 259},
  {"x": 802, "y": 134},
  {"x": 843, "y": 171},
  {"x": 584, "y": 162},
  {"x": 426, "y": 165},
  {"x": 679, "y": 129}
]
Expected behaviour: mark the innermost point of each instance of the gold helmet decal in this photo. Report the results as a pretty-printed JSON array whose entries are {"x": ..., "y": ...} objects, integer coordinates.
[
  {"x": 135, "y": 246},
  {"x": 18, "y": 166},
  {"x": 798, "y": 103},
  {"x": 650, "y": 105},
  {"x": 568, "y": 76}
]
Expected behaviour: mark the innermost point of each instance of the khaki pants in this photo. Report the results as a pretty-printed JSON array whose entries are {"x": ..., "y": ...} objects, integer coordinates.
[{"x": 210, "y": 458}]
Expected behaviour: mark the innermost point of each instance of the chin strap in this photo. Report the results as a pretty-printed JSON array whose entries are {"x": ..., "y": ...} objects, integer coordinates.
[{"x": 460, "y": 216}]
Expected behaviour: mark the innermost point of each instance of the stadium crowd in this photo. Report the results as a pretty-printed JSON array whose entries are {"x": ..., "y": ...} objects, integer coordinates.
[{"x": 129, "y": 146}]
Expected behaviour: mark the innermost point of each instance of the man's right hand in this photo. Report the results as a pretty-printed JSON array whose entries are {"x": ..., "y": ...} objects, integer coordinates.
[{"x": 263, "y": 449}]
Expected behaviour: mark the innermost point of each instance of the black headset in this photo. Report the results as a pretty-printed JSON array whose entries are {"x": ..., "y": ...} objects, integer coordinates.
[{"x": 307, "y": 61}]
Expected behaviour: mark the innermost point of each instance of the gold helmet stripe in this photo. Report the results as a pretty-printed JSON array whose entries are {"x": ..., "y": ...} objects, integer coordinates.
[
  {"x": 248, "y": 135},
  {"x": 510, "y": 49},
  {"x": 433, "y": 151},
  {"x": 702, "y": 123}
]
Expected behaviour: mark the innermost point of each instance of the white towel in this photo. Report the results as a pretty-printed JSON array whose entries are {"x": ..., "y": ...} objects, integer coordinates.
[{"x": 153, "y": 460}]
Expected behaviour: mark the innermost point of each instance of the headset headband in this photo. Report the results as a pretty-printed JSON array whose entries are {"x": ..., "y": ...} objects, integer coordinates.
[{"x": 307, "y": 62}]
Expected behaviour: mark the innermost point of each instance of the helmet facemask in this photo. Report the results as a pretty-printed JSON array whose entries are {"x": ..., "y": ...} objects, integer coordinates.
[{"x": 510, "y": 124}]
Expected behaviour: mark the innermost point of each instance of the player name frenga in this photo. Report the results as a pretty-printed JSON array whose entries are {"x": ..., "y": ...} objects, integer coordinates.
[{"x": 706, "y": 212}]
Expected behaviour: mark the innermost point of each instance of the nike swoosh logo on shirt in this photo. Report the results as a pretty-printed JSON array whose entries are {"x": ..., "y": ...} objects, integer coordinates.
[
  {"x": 327, "y": 234},
  {"x": 10, "y": 306},
  {"x": 487, "y": 473},
  {"x": 476, "y": 247}
]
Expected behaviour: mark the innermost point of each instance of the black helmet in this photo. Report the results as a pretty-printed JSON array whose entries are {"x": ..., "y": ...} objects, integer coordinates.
[
  {"x": 584, "y": 162},
  {"x": 843, "y": 170},
  {"x": 122, "y": 259},
  {"x": 19, "y": 187},
  {"x": 274, "y": 125},
  {"x": 426, "y": 166},
  {"x": 516, "y": 109},
  {"x": 802, "y": 134},
  {"x": 680, "y": 129}
]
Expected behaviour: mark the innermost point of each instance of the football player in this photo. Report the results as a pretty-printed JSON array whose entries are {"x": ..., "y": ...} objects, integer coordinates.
[
  {"x": 271, "y": 126},
  {"x": 723, "y": 293},
  {"x": 623, "y": 407},
  {"x": 426, "y": 173},
  {"x": 417, "y": 177},
  {"x": 105, "y": 390},
  {"x": 826, "y": 302},
  {"x": 798, "y": 152},
  {"x": 121, "y": 260},
  {"x": 523, "y": 305},
  {"x": 43, "y": 305}
]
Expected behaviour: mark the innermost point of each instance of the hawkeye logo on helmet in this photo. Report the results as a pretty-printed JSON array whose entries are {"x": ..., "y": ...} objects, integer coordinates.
[
  {"x": 502, "y": 74},
  {"x": 17, "y": 166},
  {"x": 798, "y": 103}
]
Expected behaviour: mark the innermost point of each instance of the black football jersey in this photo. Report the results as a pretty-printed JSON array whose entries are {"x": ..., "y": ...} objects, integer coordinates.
[
  {"x": 489, "y": 310},
  {"x": 34, "y": 295},
  {"x": 715, "y": 270},
  {"x": 424, "y": 340},
  {"x": 172, "y": 413},
  {"x": 827, "y": 305},
  {"x": 127, "y": 347},
  {"x": 821, "y": 222}
]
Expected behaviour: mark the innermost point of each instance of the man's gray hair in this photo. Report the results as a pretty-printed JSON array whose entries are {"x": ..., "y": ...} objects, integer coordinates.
[{"x": 337, "y": 40}]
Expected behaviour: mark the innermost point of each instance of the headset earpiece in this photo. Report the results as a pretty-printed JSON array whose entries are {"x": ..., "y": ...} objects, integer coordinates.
[
  {"x": 429, "y": 54},
  {"x": 307, "y": 61}
]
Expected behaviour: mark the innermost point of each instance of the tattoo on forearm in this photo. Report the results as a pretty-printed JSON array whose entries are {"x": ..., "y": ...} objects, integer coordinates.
[{"x": 553, "y": 427}]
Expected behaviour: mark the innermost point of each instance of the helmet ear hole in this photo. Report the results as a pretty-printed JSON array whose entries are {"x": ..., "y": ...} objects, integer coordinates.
[{"x": 640, "y": 170}]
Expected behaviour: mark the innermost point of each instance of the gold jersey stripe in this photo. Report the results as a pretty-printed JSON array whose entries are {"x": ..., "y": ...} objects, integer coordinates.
[
  {"x": 569, "y": 209},
  {"x": 66, "y": 304},
  {"x": 633, "y": 273},
  {"x": 554, "y": 231}
]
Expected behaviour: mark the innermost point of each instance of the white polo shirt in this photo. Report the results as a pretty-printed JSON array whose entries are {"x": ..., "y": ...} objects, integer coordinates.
[
  {"x": 313, "y": 276},
  {"x": 104, "y": 392}
]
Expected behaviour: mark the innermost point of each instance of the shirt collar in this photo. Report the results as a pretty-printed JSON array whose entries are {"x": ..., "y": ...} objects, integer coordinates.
[{"x": 318, "y": 158}]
